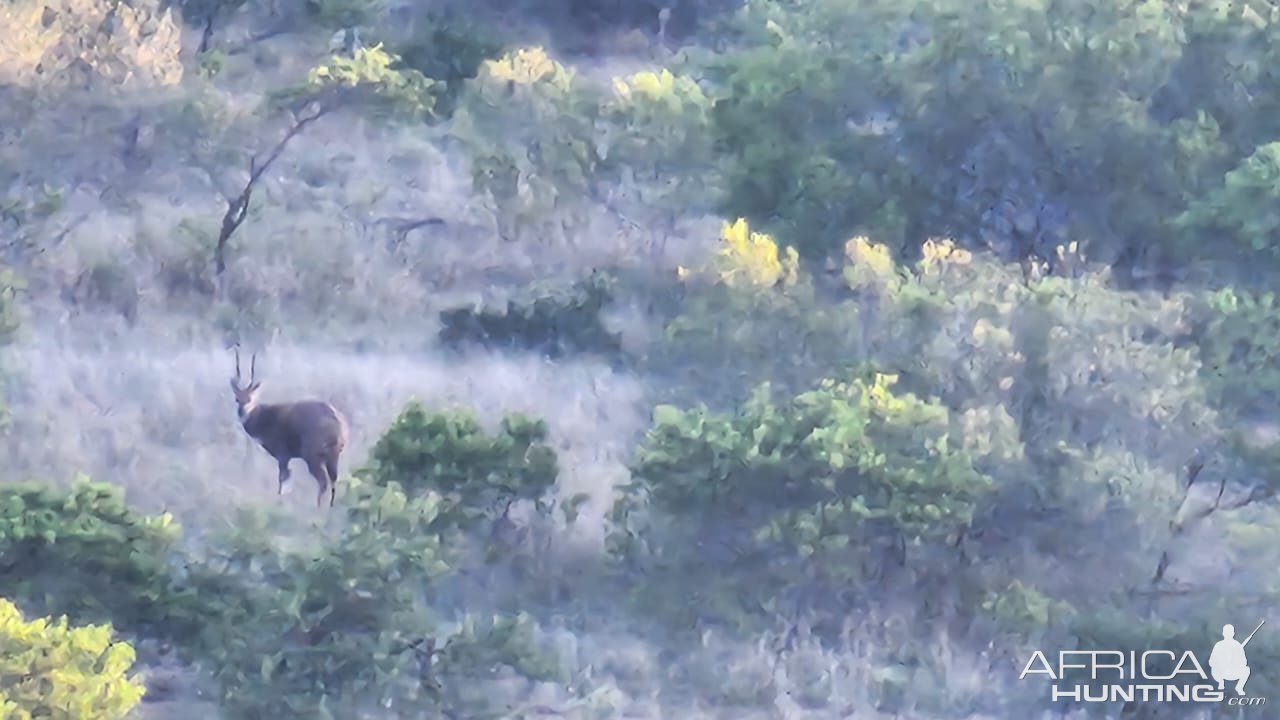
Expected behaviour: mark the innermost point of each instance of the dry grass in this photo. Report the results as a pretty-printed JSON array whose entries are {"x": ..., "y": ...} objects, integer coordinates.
[
  {"x": 338, "y": 310},
  {"x": 158, "y": 418}
]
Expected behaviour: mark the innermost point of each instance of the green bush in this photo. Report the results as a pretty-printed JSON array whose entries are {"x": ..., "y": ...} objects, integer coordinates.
[
  {"x": 301, "y": 623},
  {"x": 554, "y": 324},
  {"x": 319, "y": 627},
  {"x": 804, "y": 497},
  {"x": 479, "y": 475},
  {"x": 1239, "y": 347},
  {"x": 1243, "y": 208},
  {"x": 50, "y": 670},
  {"x": 1069, "y": 408},
  {"x": 84, "y": 553}
]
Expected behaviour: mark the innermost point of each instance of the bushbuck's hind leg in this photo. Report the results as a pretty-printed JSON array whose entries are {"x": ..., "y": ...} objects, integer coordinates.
[
  {"x": 331, "y": 465},
  {"x": 321, "y": 474},
  {"x": 284, "y": 475}
]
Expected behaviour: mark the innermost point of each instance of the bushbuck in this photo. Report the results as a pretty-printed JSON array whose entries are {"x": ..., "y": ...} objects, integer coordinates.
[{"x": 311, "y": 430}]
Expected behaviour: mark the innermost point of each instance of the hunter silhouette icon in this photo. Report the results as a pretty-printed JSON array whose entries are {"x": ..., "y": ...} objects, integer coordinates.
[{"x": 1228, "y": 661}]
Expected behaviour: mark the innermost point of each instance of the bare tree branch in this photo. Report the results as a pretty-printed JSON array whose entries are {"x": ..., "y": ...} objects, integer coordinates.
[
  {"x": 238, "y": 207},
  {"x": 401, "y": 227}
]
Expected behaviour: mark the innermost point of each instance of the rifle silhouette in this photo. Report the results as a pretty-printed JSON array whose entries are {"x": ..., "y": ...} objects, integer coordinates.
[{"x": 1255, "y": 630}]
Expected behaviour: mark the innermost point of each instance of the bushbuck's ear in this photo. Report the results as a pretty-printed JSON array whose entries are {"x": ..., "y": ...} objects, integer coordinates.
[
  {"x": 253, "y": 386},
  {"x": 235, "y": 385}
]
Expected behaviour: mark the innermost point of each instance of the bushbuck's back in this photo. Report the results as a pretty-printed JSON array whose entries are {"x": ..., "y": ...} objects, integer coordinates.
[
  {"x": 310, "y": 430},
  {"x": 298, "y": 429}
]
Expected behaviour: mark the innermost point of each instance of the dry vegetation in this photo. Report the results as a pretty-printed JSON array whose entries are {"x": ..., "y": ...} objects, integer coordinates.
[{"x": 128, "y": 381}]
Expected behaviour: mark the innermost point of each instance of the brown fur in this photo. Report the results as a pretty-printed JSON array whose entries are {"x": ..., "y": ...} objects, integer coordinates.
[{"x": 310, "y": 430}]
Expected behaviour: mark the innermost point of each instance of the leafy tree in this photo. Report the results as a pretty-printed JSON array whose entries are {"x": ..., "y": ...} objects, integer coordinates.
[
  {"x": 734, "y": 313},
  {"x": 905, "y": 120},
  {"x": 778, "y": 112},
  {"x": 49, "y": 669},
  {"x": 372, "y": 77},
  {"x": 657, "y": 140},
  {"x": 1083, "y": 401},
  {"x": 528, "y": 124},
  {"x": 1226, "y": 40}
]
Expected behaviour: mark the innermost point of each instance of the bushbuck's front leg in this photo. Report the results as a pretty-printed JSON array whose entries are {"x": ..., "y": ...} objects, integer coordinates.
[{"x": 284, "y": 475}]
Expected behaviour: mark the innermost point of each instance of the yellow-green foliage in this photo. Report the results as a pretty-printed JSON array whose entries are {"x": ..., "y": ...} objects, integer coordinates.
[
  {"x": 371, "y": 69},
  {"x": 770, "y": 303},
  {"x": 528, "y": 66},
  {"x": 938, "y": 254},
  {"x": 752, "y": 258},
  {"x": 53, "y": 671},
  {"x": 658, "y": 131},
  {"x": 668, "y": 108},
  {"x": 528, "y": 125},
  {"x": 368, "y": 64},
  {"x": 1024, "y": 609},
  {"x": 659, "y": 87},
  {"x": 869, "y": 265}
]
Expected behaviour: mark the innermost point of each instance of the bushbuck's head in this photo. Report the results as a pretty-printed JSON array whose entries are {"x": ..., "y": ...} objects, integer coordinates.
[{"x": 246, "y": 396}]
